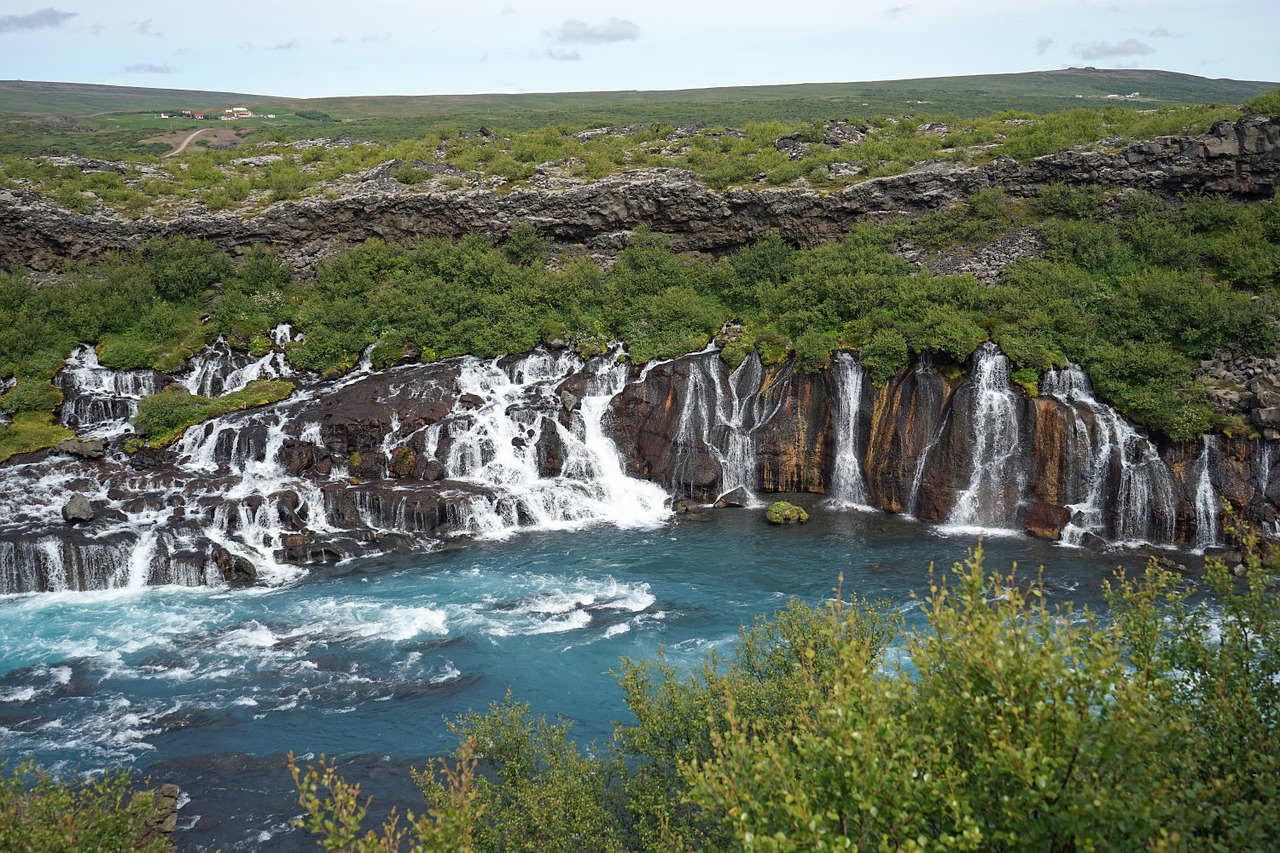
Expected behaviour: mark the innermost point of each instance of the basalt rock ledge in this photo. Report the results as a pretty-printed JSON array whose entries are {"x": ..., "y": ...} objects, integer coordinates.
[{"x": 1241, "y": 159}]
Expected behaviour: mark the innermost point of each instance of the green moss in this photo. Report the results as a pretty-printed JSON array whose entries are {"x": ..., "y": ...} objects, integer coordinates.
[
  {"x": 781, "y": 512},
  {"x": 163, "y": 417},
  {"x": 30, "y": 431},
  {"x": 1028, "y": 379}
]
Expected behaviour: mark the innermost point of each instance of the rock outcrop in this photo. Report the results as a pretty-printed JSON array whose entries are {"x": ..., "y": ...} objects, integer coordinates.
[{"x": 1241, "y": 159}]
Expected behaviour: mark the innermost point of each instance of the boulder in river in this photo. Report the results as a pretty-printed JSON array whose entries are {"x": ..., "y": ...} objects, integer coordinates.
[{"x": 77, "y": 510}]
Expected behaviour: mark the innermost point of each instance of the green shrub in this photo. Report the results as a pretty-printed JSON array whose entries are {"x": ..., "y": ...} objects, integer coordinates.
[
  {"x": 1266, "y": 104},
  {"x": 182, "y": 269},
  {"x": 31, "y": 396},
  {"x": 1070, "y": 202},
  {"x": 41, "y": 813},
  {"x": 884, "y": 354}
]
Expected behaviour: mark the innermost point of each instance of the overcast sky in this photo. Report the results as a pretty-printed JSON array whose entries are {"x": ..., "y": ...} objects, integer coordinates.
[{"x": 371, "y": 47}]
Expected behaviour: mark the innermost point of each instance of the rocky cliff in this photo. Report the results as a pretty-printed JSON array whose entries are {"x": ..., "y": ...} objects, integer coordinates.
[{"x": 1241, "y": 159}]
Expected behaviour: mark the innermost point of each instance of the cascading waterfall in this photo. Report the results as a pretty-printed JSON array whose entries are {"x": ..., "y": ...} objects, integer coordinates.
[
  {"x": 486, "y": 447},
  {"x": 984, "y": 503},
  {"x": 1206, "y": 499},
  {"x": 742, "y": 411},
  {"x": 1101, "y": 442},
  {"x": 100, "y": 400},
  {"x": 848, "y": 483},
  {"x": 220, "y": 370},
  {"x": 495, "y": 447},
  {"x": 1264, "y": 459}
]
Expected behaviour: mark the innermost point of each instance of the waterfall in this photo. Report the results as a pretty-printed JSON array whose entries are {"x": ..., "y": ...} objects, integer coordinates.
[
  {"x": 985, "y": 502},
  {"x": 100, "y": 400},
  {"x": 220, "y": 370},
  {"x": 917, "y": 477},
  {"x": 1123, "y": 491},
  {"x": 1263, "y": 461},
  {"x": 496, "y": 448},
  {"x": 740, "y": 411},
  {"x": 1206, "y": 499},
  {"x": 848, "y": 484},
  {"x": 720, "y": 417}
]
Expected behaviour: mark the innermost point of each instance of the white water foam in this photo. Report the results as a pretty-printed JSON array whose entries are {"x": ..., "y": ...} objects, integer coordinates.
[{"x": 496, "y": 447}]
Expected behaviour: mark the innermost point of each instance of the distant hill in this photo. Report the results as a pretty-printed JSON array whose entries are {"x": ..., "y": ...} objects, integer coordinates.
[
  {"x": 117, "y": 121},
  {"x": 961, "y": 95},
  {"x": 77, "y": 100}
]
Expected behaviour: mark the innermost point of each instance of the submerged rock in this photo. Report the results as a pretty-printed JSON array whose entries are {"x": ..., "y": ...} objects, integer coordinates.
[{"x": 235, "y": 570}]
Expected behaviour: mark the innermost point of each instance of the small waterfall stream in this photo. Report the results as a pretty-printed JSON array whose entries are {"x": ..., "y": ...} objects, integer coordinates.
[
  {"x": 848, "y": 483},
  {"x": 1208, "y": 510},
  {"x": 1123, "y": 490},
  {"x": 99, "y": 400},
  {"x": 993, "y": 471},
  {"x": 220, "y": 369}
]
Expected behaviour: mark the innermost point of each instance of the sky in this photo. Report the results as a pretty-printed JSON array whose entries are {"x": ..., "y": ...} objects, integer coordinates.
[{"x": 424, "y": 47}]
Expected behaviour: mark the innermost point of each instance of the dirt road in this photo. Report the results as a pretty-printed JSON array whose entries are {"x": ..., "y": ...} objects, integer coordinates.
[{"x": 175, "y": 152}]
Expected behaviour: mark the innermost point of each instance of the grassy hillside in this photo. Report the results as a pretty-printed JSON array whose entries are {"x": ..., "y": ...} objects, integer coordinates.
[
  {"x": 113, "y": 121},
  {"x": 78, "y": 100}
]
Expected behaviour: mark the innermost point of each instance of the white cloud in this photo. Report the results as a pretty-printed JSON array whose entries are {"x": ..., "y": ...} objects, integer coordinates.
[
  {"x": 1108, "y": 50},
  {"x": 1043, "y": 44},
  {"x": 148, "y": 68},
  {"x": 574, "y": 31},
  {"x": 38, "y": 20}
]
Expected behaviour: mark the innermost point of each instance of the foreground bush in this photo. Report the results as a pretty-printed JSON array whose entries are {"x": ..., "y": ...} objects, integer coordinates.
[
  {"x": 41, "y": 815},
  {"x": 1002, "y": 724}
]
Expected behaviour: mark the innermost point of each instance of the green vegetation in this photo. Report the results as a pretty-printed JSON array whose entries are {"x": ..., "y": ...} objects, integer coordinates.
[
  {"x": 816, "y": 153},
  {"x": 41, "y": 813},
  {"x": 164, "y": 416},
  {"x": 1133, "y": 288},
  {"x": 109, "y": 121},
  {"x": 1266, "y": 104},
  {"x": 30, "y": 431},
  {"x": 1001, "y": 724}
]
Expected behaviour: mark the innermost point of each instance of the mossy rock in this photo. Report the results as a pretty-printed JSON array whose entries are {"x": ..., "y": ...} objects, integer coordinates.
[{"x": 781, "y": 512}]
